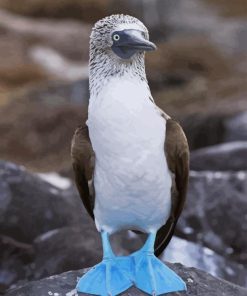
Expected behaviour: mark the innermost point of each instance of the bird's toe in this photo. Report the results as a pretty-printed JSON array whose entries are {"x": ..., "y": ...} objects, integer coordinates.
[
  {"x": 155, "y": 278},
  {"x": 105, "y": 279}
]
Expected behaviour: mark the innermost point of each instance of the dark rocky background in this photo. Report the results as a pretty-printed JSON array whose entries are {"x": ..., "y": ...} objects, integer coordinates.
[{"x": 198, "y": 75}]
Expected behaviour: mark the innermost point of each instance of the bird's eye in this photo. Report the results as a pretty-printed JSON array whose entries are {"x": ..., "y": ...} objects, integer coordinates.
[{"x": 116, "y": 37}]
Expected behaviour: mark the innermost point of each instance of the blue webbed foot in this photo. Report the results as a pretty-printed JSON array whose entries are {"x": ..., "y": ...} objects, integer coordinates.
[
  {"x": 153, "y": 276},
  {"x": 110, "y": 277},
  {"x": 105, "y": 278}
]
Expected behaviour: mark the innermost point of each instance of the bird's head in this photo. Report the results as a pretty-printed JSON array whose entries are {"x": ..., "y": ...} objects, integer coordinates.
[
  {"x": 117, "y": 45},
  {"x": 122, "y": 35}
]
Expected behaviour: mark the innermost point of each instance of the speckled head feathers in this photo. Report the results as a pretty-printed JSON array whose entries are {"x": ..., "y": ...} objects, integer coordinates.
[
  {"x": 104, "y": 63},
  {"x": 101, "y": 32}
]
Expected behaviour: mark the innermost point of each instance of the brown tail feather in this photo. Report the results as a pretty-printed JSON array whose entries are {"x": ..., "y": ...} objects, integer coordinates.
[{"x": 164, "y": 236}]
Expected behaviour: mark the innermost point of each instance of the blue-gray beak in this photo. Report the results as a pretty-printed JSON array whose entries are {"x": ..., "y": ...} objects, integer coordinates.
[{"x": 127, "y": 42}]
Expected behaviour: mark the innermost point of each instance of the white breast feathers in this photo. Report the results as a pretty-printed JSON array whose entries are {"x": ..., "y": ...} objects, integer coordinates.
[{"x": 132, "y": 180}]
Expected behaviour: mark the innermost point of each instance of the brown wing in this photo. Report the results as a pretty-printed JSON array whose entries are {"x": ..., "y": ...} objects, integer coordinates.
[
  {"x": 83, "y": 160},
  {"x": 177, "y": 154}
]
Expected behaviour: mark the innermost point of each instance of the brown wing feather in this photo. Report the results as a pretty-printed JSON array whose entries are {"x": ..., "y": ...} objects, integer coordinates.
[
  {"x": 177, "y": 153},
  {"x": 83, "y": 160}
]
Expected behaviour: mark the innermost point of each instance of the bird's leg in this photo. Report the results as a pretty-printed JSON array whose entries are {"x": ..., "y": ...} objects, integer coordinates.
[
  {"x": 108, "y": 256},
  {"x": 109, "y": 277},
  {"x": 107, "y": 250},
  {"x": 153, "y": 276}
]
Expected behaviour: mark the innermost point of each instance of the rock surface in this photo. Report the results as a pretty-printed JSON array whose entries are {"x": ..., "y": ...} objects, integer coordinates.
[
  {"x": 215, "y": 212},
  {"x": 224, "y": 157},
  {"x": 67, "y": 248},
  {"x": 30, "y": 206},
  {"x": 14, "y": 260},
  {"x": 198, "y": 283},
  {"x": 236, "y": 128},
  {"x": 203, "y": 130},
  {"x": 194, "y": 254}
]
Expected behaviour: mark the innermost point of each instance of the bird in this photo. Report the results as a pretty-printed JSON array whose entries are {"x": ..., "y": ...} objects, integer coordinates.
[{"x": 130, "y": 161}]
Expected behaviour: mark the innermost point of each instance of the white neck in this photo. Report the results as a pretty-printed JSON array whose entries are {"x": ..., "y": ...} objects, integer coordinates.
[{"x": 105, "y": 65}]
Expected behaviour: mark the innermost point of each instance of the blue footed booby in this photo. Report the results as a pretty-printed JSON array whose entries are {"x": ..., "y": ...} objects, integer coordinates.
[{"x": 130, "y": 161}]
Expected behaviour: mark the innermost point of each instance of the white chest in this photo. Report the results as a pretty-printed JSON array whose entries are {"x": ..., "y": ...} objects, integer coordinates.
[{"x": 132, "y": 180}]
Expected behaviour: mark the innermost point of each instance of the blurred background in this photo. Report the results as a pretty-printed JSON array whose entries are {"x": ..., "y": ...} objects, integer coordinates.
[{"x": 198, "y": 75}]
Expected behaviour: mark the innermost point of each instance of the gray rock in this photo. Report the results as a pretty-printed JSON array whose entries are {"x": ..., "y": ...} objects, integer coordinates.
[
  {"x": 30, "y": 206},
  {"x": 68, "y": 248},
  {"x": 15, "y": 258},
  {"x": 203, "y": 130},
  {"x": 198, "y": 283},
  {"x": 192, "y": 254},
  {"x": 54, "y": 252},
  {"x": 224, "y": 157},
  {"x": 236, "y": 128},
  {"x": 215, "y": 212}
]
